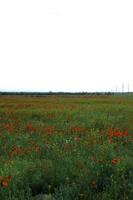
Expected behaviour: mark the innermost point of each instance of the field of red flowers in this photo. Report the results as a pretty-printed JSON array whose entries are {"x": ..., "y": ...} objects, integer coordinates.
[{"x": 70, "y": 148}]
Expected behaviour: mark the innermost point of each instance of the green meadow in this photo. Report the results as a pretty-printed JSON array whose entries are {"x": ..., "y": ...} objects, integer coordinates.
[{"x": 66, "y": 148}]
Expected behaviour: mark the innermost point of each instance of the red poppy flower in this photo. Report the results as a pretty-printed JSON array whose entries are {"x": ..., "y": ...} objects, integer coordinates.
[{"x": 4, "y": 184}]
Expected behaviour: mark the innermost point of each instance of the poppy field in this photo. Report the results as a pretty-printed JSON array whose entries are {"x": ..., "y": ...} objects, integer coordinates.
[{"x": 66, "y": 147}]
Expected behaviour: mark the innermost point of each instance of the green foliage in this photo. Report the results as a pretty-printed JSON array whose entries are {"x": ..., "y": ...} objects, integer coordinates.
[{"x": 70, "y": 148}]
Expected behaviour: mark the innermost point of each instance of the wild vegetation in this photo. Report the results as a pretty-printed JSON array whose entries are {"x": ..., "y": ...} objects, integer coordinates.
[{"x": 69, "y": 148}]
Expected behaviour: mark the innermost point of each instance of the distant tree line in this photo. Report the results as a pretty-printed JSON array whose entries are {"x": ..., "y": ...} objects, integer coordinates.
[{"x": 58, "y": 93}]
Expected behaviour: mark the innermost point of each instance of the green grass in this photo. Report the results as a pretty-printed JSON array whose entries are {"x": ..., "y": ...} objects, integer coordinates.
[{"x": 70, "y": 147}]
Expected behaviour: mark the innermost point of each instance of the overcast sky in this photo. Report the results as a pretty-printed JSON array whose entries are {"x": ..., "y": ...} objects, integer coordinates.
[{"x": 66, "y": 45}]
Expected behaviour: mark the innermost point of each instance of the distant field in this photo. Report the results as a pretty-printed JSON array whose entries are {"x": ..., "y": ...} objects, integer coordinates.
[{"x": 70, "y": 148}]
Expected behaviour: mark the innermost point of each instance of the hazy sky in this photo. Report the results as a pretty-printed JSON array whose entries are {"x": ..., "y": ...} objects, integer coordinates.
[{"x": 66, "y": 45}]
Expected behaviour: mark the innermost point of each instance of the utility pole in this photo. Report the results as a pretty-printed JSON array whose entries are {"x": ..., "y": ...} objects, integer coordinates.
[
  {"x": 116, "y": 89},
  {"x": 128, "y": 87},
  {"x": 122, "y": 88}
]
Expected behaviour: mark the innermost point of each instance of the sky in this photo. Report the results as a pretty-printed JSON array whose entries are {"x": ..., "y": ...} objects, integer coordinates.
[{"x": 66, "y": 45}]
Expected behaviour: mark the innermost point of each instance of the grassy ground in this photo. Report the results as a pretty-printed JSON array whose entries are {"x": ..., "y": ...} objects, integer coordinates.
[{"x": 70, "y": 147}]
